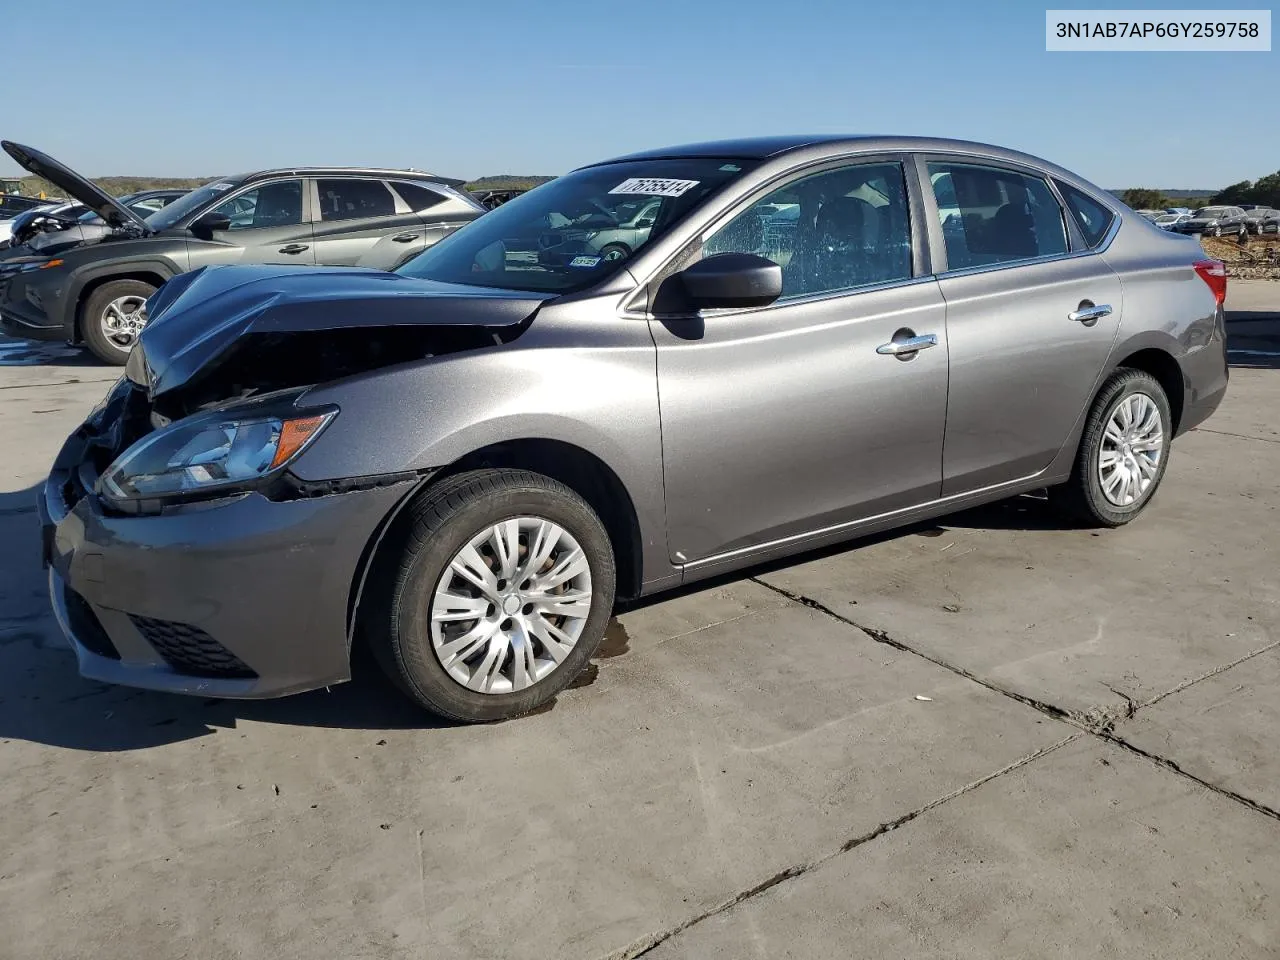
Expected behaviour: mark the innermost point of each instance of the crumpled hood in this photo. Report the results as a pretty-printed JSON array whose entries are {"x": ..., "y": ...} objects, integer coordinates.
[{"x": 195, "y": 317}]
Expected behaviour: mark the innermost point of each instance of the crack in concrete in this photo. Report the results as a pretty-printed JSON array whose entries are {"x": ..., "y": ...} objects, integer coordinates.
[
  {"x": 1212, "y": 673},
  {"x": 647, "y": 944},
  {"x": 1173, "y": 767},
  {"x": 1238, "y": 436},
  {"x": 1097, "y": 722}
]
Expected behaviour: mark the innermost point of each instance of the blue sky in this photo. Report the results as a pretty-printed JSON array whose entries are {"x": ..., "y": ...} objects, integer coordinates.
[{"x": 186, "y": 89}]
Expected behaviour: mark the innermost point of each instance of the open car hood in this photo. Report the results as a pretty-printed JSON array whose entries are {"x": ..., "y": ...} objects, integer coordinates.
[
  {"x": 76, "y": 186},
  {"x": 195, "y": 319}
]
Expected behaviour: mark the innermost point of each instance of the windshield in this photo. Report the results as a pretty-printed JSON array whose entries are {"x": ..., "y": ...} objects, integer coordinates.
[
  {"x": 574, "y": 231},
  {"x": 1211, "y": 212},
  {"x": 169, "y": 216},
  {"x": 1167, "y": 218}
]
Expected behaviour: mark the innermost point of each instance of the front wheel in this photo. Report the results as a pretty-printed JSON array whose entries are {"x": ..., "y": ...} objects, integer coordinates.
[
  {"x": 1123, "y": 452},
  {"x": 494, "y": 595},
  {"x": 611, "y": 252},
  {"x": 113, "y": 318},
  {"x": 1215, "y": 232}
]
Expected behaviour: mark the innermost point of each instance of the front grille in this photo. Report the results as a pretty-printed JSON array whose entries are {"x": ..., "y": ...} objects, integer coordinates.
[
  {"x": 189, "y": 650},
  {"x": 86, "y": 627}
]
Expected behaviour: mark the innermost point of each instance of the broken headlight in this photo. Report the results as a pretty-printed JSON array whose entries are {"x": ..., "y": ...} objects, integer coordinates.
[{"x": 210, "y": 452}]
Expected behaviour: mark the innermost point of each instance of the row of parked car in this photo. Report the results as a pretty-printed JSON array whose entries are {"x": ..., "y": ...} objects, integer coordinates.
[
  {"x": 1217, "y": 221},
  {"x": 81, "y": 271}
]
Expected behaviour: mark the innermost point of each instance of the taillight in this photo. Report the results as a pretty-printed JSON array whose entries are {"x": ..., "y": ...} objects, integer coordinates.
[{"x": 1214, "y": 273}]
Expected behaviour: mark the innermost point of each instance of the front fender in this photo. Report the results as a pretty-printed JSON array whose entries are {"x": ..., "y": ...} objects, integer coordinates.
[
  {"x": 602, "y": 399},
  {"x": 90, "y": 273}
]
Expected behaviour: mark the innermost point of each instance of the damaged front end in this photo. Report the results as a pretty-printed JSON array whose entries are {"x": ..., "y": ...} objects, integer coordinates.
[{"x": 173, "y": 524}]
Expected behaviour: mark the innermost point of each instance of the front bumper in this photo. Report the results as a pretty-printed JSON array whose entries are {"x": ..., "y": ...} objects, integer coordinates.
[
  {"x": 240, "y": 597},
  {"x": 29, "y": 306}
]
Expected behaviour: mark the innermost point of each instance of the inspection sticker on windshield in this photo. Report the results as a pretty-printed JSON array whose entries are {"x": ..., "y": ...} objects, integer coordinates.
[
  {"x": 655, "y": 187},
  {"x": 584, "y": 261},
  {"x": 221, "y": 187}
]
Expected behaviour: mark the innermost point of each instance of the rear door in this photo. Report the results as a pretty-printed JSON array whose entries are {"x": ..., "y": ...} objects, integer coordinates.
[
  {"x": 362, "y": 223},
  {"x": 1032, "y": 312},
  {"x": 270, "y": 223}
]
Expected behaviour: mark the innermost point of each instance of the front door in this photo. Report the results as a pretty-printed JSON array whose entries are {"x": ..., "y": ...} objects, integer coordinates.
[
  {"x": 268, "y": 225},
  {"x": 802, "y": 416},
  {"x": 1030, "y": 326}
]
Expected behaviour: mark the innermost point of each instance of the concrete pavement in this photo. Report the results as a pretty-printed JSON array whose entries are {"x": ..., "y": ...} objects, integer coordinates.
[{"x": 995, "y": 736}]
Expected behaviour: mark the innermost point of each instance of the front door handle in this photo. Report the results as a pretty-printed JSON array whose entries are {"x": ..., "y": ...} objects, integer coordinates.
[
  {"x": 405, "y": 237},
  {"x": 294, "y": 248},
  {"x": 908, "y": 346},
  {"x": 1089, "y": 314}
]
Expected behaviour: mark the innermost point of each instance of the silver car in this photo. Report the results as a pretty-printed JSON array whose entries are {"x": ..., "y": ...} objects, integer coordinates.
[{"x": 463, "y": 463}]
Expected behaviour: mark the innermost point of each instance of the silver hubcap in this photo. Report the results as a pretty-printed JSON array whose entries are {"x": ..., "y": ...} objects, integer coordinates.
[
  {"x": 123, "y": 320},
  {"x": 511, "y": 605},
  {"x": 1132, "y": 445}
]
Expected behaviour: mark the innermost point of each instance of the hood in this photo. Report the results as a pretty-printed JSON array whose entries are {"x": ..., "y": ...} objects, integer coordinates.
[
  {"x": 194, "y": 319},
  {"x": 92, "y": 196}
]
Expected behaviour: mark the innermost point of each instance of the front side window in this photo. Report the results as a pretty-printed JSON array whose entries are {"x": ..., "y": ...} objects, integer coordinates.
[
  {"x": 276, "y": 204},
  {"x": 1093, "y": 219},
  {"x": 354, "y": 199},
  {"x": 189, "y": 203},
  {"x": 990, "y": 215},
  {"x": 576, "y": 230},
  {"x": 830, "y": 231}
]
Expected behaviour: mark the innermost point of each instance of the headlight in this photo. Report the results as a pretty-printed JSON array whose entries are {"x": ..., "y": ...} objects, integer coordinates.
[{"x": 209, "y": 452}]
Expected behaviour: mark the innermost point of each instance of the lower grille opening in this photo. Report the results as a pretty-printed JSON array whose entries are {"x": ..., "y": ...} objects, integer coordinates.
[
  {"x": 86, "y": 627},
  {"x": 189, "y": 650}
]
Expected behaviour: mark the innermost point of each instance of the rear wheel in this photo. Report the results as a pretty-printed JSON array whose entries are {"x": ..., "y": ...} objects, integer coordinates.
[
  {"x": 1123, "y": 452},
  {"x": 113, "y": 318},
  {"x": 494, "y": 596}
]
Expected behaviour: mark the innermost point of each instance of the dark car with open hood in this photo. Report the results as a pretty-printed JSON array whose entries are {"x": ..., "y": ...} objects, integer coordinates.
[
  {"x": 460, "y": 464},
  {"x": 94, "y": 291}
]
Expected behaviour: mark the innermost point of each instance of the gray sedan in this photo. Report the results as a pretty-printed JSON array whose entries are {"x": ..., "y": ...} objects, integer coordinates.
[{"x": 461, "y": 465}]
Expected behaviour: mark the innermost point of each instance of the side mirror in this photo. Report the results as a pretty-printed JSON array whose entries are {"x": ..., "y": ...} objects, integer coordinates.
[
  {"x": 210, "y": 223},
  {"x": 732, "y": 280},
  {"x": 646, "y": 222}
]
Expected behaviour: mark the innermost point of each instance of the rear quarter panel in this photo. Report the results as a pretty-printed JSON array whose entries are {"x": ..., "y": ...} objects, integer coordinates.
[{"x": 1170, "y": 308}]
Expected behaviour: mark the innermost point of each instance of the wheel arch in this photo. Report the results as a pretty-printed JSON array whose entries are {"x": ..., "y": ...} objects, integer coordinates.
[
  {"x": 152, "y": 273},
  {"x": 579, "y": 469},
  {"x": 1166, "y": 370}
]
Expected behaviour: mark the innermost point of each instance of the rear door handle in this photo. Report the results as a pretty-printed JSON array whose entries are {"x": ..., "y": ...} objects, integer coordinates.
[
  {"x": 405, "y": 237},
  {"x": 294, "y": 248},
  {"x": 1088, "y": 314},
  {"x": 898, "y": 348}
]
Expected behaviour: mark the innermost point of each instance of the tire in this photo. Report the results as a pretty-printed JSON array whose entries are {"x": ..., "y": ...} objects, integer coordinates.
[
  {"x": 615, "y": 251},
  {"x": 1215, "y": 232},
  {"x": 117, "y": 294},
  {"x": 1083, "y": 495},
  {"x": 415, "y": 566}
]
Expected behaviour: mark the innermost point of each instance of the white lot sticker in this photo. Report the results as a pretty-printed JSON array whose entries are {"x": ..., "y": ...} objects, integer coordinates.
[
  {"x": 220, "y": 187},
  {"x": 655, "y": 187},
  {"x": 584, "y": 261}
]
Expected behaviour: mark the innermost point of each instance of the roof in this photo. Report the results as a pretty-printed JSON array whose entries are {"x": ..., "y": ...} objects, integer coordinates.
[
  {"x": 762, "y": 148},
  {"x": 348, "y": 171}
]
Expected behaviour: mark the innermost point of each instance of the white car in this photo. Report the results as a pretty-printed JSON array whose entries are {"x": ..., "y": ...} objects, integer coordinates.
[
  {"x": 6, "y": 226},
  {"x": 1170, "y": 221}
]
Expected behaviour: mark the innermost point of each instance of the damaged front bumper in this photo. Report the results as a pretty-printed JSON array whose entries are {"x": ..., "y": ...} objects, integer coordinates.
[{"x": 242, "y": 596}]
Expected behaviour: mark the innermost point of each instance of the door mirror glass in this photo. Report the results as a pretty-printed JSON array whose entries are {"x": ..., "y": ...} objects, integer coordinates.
[
  {"x": 732, "y": 280},
  {"x": 211, "y": 222}
]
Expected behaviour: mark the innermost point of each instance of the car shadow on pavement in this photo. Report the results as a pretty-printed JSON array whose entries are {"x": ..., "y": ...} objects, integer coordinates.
[{"x": 15, "y": 352}]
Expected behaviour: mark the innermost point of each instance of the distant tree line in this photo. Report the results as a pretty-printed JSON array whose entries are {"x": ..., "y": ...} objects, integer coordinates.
[{"x": 1265, "y": 191}]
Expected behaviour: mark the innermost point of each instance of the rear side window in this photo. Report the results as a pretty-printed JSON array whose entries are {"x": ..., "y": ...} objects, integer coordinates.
[
  {"x": 354, "y": 199},
  {"x": 990, "y": 215},
  {"x": 1093, "y": 219},
  {"x": 418, "y": 198}
]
